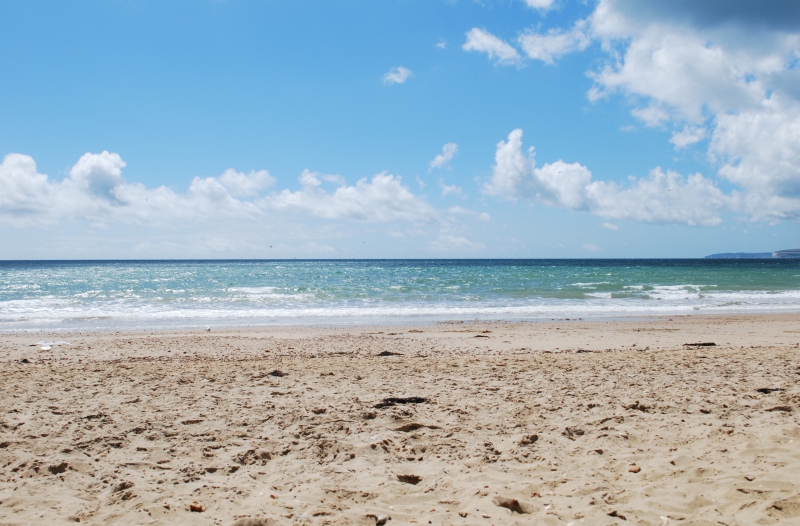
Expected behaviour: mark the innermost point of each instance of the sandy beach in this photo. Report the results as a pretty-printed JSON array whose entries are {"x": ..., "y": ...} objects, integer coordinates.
[{"x": 565, "y": 422}]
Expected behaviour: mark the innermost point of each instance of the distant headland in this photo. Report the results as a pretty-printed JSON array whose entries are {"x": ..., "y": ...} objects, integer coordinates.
[{"x": 780, "y": 254}]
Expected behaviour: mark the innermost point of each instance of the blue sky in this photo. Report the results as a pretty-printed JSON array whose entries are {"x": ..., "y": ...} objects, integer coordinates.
[{"x": 135, "y": 129}]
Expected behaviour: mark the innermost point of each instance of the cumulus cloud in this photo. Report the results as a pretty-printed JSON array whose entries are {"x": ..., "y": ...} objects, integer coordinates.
[
  {"x": 484, "y": 42},
  {"x": 451, "y": 189},
  {"x": 688, "y": 136},
  {"x": 383, "y": 198},
  {"x": 96, "y": 191},
  {"x": 719, "y": 66},
  {"x": 515, "y": 176},
  {"x": 652, "y": 115},
  {"x": 449, "y": 151},
  {"x": 760, "y": 151},
  {"x": 555, "y": 43},
  {"x": 542, "y": 5},
  {"x": 662, "y": 197},
  {"x": 659, "y": 198},
  {"x": 240, "y": 184},
  {"x": 397, "y": 75},
  {"x": 98, "y": 173},
  {"x": 680, "y": 71},
  {"x": 718, "y": 75}
]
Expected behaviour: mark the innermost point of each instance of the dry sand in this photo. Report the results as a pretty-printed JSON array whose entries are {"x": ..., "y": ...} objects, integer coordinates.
[{"x": 287, "y": 425}]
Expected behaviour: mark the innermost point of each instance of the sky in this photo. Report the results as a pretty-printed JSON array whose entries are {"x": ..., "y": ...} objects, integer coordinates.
[{"x": 133, "y": 129}]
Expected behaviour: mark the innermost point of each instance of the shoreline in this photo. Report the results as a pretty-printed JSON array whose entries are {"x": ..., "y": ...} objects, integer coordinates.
[
  {"x": 457, "y": 337},
  {"x": 460, "y": 424},
  {"x": 398, "y": 322}
]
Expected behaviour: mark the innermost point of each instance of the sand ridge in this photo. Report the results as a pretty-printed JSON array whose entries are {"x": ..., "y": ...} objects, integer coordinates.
[{"x": 519, "y": 425}]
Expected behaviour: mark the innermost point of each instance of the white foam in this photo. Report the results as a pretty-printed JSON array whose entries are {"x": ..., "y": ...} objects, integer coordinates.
[{"x": 57, "y": 312}]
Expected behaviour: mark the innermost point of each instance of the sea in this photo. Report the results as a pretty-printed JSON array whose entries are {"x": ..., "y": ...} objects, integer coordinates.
[{"x": 109, "y": 295}]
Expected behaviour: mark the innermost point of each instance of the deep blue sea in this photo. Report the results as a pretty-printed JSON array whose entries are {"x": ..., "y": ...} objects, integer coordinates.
[{"x": 161, "y": 294}]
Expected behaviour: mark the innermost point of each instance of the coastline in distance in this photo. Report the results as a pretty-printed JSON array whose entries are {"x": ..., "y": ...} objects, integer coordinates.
[{"x": 779, "y": 254}]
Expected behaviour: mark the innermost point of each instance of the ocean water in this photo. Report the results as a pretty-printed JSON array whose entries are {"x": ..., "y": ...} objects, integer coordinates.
[{"x": 160, "y": 294}]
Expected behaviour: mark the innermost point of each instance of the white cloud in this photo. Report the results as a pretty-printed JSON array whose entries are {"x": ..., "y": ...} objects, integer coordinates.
[
  {"x": 96, "y": 191},
  {"x": 515, "y": 176},
  {"x": 459, "y": 210},
  {"x": 555, "y": 43},
  {"x": 451, "y": 243},
  {"x": 497, "y": 50},
  {"x": 688, "y": 136},
  {"x": 98, "y": 173},
  {"x": 760, "y": 149},
  {"x": 384, "y": 198},
  {"x": 588, "y": 247},
  {"x": 652, "y": 115},
  {"x": 659, "y": 198},
  {"x": 441, "y": 44},
  {"x": 542, "y": 5},
  {"x": 449, "y": 150},
  {"x": 241, "y": 184},
  {"x": 610, "y": 226},
  {"x": 727, "y": 72},
  {"x": 332, "y": 178},
  {"x": 451, "y": 189},
  {"x": 679, "y": 70},
  {"x": 397, "y": 75}
]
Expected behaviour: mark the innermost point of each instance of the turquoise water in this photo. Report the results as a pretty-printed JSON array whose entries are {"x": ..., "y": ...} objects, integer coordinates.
[{"x": 145, "y": 294}]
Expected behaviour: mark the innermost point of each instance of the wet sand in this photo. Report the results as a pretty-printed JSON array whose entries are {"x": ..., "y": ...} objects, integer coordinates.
[{"x": 567, "y": 422}]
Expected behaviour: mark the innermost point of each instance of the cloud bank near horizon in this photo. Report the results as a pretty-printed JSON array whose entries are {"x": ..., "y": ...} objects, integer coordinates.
[{"x": 95, "y": 191}]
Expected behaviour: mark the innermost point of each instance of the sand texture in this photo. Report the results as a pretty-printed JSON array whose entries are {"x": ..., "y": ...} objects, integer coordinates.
[{"x": 485, "y": 424}]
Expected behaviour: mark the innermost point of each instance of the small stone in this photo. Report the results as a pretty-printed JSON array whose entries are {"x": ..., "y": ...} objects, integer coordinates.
[
  {"x": 573, "y": 432},
  {"x": 749, "y": 478},
  {"x": 409, "y": 478},
  {"x": 781, "y": 408},
  {"x": 380, "y": 518},
  {"x": 511, "y": 504},
  {"x": 196, "y": 507},
  {"x": 634, "y": 469},
  {"x": 58, "y": 468}
]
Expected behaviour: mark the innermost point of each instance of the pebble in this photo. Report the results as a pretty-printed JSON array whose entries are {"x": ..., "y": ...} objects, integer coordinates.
[{"x": 380, "y": 518}]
